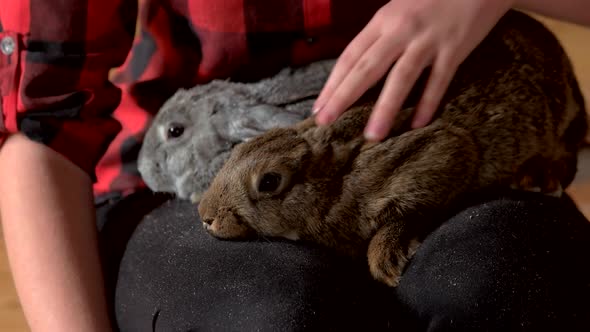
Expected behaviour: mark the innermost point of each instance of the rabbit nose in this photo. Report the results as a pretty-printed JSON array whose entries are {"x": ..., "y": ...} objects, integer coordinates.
[{"x": 208, "y": 221}]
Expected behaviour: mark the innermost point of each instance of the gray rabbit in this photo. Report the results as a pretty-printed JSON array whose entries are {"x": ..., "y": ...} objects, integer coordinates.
[
  {"x": 193, "y": 133},
  {"x": 513, "y": 117}
]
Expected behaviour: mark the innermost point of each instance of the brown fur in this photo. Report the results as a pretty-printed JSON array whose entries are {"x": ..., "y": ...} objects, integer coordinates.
[{"x": 512, "y": 117}]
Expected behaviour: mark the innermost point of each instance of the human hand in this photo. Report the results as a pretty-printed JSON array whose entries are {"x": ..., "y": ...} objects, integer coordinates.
[{"x": 415, "y": 34}]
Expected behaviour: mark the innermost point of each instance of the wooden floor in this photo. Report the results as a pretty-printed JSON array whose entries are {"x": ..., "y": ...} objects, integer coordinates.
[{"x": 576, "y": 41}]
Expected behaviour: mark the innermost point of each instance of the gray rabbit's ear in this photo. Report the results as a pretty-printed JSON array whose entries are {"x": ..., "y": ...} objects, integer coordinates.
[
  {"x": 259, "y": 119},
  {"x": 293, "y": 85}
]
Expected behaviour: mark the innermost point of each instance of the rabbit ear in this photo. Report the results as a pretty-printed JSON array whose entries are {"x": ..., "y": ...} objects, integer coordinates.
[
  {"x": 293, "y": 85},
  {"x": 259, "y": 119},
  {"x": 281, "y": 100}
]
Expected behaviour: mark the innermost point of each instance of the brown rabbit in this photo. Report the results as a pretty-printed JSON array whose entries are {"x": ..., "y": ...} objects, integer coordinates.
[{"x": 513, "y": 117}]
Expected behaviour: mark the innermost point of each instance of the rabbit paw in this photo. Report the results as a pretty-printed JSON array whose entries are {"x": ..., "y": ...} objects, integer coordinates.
[
  {"x": 387, "y": 259},
  {"x": 542, "y": 176},
  {"x": 555, "y": 191}
]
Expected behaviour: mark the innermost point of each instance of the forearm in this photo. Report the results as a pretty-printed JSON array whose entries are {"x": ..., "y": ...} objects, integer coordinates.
[
  {"x": 48, "y": 221},
  {"x": 575, "y": 11}
]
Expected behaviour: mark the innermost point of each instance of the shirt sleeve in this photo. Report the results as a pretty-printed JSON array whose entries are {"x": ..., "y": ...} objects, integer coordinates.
[{"x": 55, "y": 59}]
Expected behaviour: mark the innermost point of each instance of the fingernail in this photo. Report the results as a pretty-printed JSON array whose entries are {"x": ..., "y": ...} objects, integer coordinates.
[
  {"x": 370, "y": 136},
  {"x": 372, "y": 132},
  {"x": 418, "y": 122},
  {"x": 324, "y": 119},
  {"x": 315, "y": 110}
]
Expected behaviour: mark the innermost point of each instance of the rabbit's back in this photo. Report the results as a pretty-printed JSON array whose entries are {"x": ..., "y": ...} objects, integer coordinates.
[
  {"x": 518, "y": 97},
  {"x": 513, "y": 116}
]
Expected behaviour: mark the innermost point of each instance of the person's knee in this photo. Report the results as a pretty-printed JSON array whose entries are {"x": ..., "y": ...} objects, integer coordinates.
[
  {"x": 232, "y": 291},
  {"x": 174, "y": 276},
  {"x": 504, "y": 264}
]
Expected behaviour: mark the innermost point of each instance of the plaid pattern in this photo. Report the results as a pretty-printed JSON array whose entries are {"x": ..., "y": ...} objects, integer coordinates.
[{"x": 85, "y": 77}]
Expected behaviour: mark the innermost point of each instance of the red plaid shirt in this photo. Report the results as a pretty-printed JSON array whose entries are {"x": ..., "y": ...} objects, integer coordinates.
[{"x": 85, "y": 77}]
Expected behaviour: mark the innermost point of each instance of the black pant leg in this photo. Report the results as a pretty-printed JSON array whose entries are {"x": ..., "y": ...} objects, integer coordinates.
[
  {"x": 515, "y": 264},
  {"x": 117, "y": 220},
  {"x": 175, "y": 277},
  {"x": 511, "y": 264}
]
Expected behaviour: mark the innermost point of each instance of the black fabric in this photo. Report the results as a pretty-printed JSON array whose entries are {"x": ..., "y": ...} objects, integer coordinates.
[{"x": 517, "y": 263}]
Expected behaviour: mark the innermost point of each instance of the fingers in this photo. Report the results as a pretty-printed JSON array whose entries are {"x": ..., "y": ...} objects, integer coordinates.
[
  {"x": 369, "y": 69},
  {"x": 399, "y": 82},
  {"x": 440, "y": 77},
  {"x": 347, "y": 60}
]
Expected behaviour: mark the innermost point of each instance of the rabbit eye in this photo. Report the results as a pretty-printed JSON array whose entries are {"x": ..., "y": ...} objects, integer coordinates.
[
  {"x": 269, "y": 182},
  {"x": 175, "y": 130}
]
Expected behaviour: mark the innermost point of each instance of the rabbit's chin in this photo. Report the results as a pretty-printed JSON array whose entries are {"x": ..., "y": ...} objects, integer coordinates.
[
  {"x": 184, "y": 187},
  {"x": 196, "y": 197},
  {"x": 187, "y": 196}
]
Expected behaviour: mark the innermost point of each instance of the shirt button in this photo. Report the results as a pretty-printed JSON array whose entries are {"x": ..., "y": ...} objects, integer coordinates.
[{"x": 7, "y": 45}]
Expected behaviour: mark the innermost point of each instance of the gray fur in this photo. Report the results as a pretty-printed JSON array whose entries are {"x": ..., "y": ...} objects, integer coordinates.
[{"x": 217, "y": 116}]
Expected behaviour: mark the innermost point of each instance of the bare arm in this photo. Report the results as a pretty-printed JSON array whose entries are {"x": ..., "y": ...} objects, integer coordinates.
[
  {"x": 574, "y": 11},
  {"x": 49, "y": 224},
  {"x": 60, "y": 78}
]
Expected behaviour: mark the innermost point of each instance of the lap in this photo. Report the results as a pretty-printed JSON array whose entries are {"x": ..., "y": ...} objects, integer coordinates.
[
  {"x": 516, "y": 260},
  {"x": 174, "y": 276}
]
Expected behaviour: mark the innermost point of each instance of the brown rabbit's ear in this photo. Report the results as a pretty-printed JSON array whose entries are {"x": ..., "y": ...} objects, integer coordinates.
[{"x": 273, "y": 160}]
